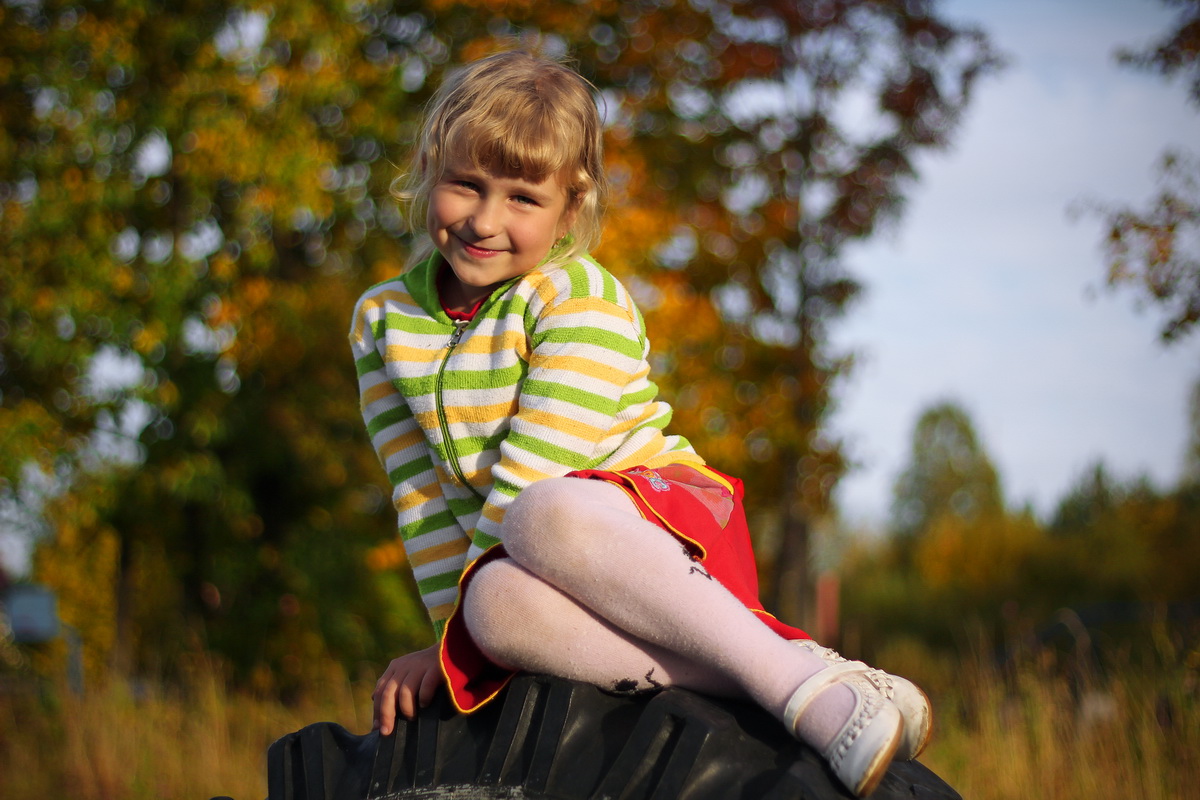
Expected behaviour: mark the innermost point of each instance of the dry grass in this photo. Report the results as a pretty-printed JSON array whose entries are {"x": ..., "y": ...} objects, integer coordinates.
[
  {"x": 120, "y": 743},
  {"x": 1034, "y": 732},
  {"x": 1027, "y": 734}
]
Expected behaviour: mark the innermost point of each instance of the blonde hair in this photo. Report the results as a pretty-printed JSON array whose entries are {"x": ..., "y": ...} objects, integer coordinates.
[{"x": 514, "y": 113}]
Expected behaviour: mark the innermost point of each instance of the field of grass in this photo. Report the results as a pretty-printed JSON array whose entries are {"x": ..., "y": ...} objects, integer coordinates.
[
  {"x": 1028, "y": 733},
  {"x": 122, "y": 742},
  {"x": 1034, "y": 729}
]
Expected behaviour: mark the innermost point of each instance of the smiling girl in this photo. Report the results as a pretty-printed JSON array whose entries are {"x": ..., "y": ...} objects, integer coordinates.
[{"x": 551, "y": 523}]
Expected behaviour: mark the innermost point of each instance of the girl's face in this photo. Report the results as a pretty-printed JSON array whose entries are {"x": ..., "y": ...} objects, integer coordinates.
[{"x": 492, "y": 228}]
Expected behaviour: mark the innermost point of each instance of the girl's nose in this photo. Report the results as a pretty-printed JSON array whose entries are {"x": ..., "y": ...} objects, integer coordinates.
[{"x": 485, "y": 221}]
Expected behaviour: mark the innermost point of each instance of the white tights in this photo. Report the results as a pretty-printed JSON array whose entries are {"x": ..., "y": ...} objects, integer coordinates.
[{"x": 594, "y": 592}]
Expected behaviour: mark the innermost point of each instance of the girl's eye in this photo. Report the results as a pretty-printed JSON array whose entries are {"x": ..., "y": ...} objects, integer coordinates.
[
  {"x": 465, "y": 185},
  {"x": 523, "y": 200}
]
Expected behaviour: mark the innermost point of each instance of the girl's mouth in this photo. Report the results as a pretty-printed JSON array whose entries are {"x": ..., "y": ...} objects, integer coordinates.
[{"x": 476, "y": 251}]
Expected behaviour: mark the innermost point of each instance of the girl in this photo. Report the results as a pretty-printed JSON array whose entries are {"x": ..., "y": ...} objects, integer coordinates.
[{"x": 551, "y": 523}]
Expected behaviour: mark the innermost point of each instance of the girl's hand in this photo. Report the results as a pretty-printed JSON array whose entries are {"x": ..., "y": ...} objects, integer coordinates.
[{"x": 407, "y": 685}]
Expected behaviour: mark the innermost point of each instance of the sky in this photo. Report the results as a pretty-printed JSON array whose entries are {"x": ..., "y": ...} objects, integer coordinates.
[{"x": 989, "y": 292}]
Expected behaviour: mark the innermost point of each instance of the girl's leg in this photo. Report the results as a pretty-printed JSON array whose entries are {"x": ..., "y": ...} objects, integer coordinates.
[
  {"x": 587, "y": 539},
  {"x": 522, "y": 622}
]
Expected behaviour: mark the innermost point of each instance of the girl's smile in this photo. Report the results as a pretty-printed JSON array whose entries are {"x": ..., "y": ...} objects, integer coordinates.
[{"x": 491, "y": 228}]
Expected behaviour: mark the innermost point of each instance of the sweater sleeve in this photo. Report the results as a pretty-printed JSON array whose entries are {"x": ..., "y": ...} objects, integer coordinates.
[
  {"x": 434, "y": 542},
  {"x": 586, "y": 364}
]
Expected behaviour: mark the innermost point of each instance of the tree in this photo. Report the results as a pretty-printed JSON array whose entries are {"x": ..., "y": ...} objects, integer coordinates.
[
  {"x": 1094, "y": 496},
  {"x": 1124, "y": 540},
  {"x": 976, "y": 564},
  {"x": 949, "y": 474},
  {"x": 196, "y": 194},
  {"x": 190, "y": 195},
  {"x": 1157, "y": 248},
  {"x": 1191, "y": 458},
  {"x": 960, "y": 563}
]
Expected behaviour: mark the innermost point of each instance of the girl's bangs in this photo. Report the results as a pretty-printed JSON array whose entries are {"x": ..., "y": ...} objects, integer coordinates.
[{"x": 512, "y": 147}]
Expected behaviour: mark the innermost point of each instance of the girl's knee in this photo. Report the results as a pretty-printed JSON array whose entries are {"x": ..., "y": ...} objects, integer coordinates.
[
  {"x": 541, "y": 520},
  {"x": 500, "y": 610},
  {"x": 488, "y": 593}
]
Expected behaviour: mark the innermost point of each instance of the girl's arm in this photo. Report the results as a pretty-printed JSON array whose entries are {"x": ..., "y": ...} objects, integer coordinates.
[
  {"x": 434, "y": 542},
  {"x": 586, "y": 388}
]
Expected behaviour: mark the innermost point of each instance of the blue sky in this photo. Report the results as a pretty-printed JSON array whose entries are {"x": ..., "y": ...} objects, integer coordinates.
[{"x": 990, "y": 293}]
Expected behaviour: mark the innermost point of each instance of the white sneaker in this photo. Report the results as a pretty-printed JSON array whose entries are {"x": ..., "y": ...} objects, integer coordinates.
[
  {"x": 862, "y": 750},
  {"x": 913, "y": 703}
]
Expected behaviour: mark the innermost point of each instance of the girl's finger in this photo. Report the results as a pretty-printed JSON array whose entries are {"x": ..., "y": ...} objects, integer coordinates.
[
  {"x": 385, "y": 708},
  {"x": 406, "y": 699},
  {"x": 429, "y": 685}
]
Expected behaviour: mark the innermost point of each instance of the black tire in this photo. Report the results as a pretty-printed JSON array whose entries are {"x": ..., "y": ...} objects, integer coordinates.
[{"x": 549, "y": 739}]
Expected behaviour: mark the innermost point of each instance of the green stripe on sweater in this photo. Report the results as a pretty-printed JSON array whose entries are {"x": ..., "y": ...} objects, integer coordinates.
[
  {"x": 484, "y": 540},
  {"x": 610, "y": 287},
  {"x": 411, "y": 469},
  {"x": 434, "y": 522},
  {"x": 465, "y": 506},
  {"x": 551, "y": 452},
  {"x": 580, "y": 285},
  {"x": 417, "y": 325},
  {"x": 571, "y": 394},
  {"x": 388, "y": 418},
  {"x": 484, "y": 378},
  {"x": 470, "y": 445},
  {"x": 435, "y": 583},
  {"x": 368, "y": 363},
  {"x": 593, "y": 336}
]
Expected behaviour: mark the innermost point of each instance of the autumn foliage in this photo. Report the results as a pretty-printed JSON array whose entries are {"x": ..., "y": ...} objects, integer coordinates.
[
  {"x": 191, "y": 196},
  {"x": 1115, "y": 561}
]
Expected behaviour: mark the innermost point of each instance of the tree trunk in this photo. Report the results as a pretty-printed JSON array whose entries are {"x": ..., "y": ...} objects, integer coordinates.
[
  {"x": 121, "y": 657},
  {"x": 791, "y": 593}
]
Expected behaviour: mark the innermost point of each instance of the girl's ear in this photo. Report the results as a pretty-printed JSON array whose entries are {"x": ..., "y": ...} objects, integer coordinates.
[{"x": 567, "y": 221}]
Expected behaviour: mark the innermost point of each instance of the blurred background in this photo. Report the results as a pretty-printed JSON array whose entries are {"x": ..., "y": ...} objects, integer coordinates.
[{"x": 925, "y": 274}]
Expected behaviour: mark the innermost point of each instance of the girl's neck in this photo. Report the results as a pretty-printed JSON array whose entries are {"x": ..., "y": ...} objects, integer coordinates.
[{"x": 454, "y": 297}]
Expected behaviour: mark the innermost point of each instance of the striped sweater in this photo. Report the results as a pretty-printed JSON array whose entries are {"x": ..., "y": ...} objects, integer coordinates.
[{"x": 550, "y": 376}]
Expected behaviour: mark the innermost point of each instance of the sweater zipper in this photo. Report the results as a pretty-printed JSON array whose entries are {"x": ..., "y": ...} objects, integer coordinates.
[{"x": 460, "y": 327}]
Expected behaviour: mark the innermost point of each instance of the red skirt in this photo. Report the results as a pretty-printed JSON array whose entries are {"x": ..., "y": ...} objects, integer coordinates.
[{"x": 701, "y": 507}]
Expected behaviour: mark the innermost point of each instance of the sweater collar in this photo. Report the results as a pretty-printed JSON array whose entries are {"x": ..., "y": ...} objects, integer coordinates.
[{"x": 421, "y": 282}]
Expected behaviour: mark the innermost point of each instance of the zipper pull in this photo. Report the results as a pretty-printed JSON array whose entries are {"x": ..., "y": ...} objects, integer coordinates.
[{"x": 460, "y": 325}]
